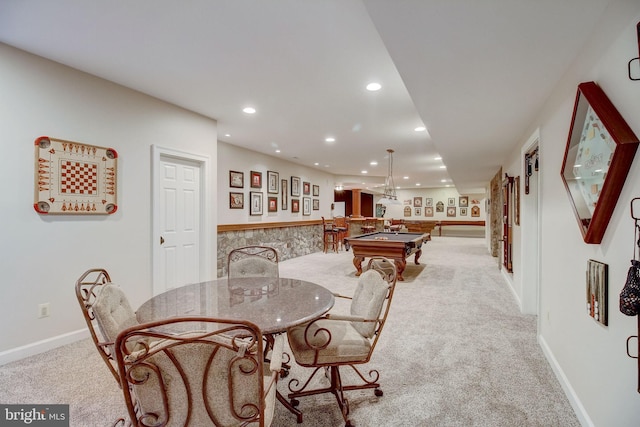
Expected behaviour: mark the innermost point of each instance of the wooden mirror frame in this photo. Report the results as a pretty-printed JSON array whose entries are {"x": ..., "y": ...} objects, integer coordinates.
[{"x": 594, "y": 198}]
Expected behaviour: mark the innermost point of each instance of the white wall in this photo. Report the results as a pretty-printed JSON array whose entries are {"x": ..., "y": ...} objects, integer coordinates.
[
  {"x": 233, "y": 158},
  {"x": 590, "y": 359},
  {"x": 42, "y": 256}
]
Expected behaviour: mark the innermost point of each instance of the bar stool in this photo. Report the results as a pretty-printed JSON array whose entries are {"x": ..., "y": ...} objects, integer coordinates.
[
  {"x": 340, "y": 224},
  {"x": 368, "y": 225},
  {"x": 330, "y": 236}
]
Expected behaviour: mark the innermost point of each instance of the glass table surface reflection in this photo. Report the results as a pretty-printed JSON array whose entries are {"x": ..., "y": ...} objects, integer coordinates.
[{"x": 273, "y": 304}]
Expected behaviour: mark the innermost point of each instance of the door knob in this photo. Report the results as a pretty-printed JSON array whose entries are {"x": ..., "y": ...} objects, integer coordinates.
[{"x": 161, "y": 240}]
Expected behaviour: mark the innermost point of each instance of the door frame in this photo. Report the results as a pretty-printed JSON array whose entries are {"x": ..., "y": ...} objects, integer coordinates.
[
  {"x": 530, "y": 235},
  {"x": 205, "y": 242}
]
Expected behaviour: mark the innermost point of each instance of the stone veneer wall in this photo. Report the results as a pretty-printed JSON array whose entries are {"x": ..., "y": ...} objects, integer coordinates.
[{"x": 289, "y": 242}]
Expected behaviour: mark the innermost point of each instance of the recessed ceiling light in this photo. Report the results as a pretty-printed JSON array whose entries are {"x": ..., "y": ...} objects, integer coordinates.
[
  {"x": 330, "y": 139},
  {"x": 405, "y": 177},
  {"x": 277, "y": 151},
  {"x": 227, "y": 135},
  {"x": 373, "y": 86},
  {"x": 364, "y": 172},
  {"x": 443, "y": 167},
  {"x": 437, "y": 158},
  {"x": 316, "y": 164},
  {"x": 249, "y": 110},
  {"x": 374, "y": 163},
  {"x": 418, "y": 184},
  {"x": 420, "y": 129},
  {"x": 443, "y": 180}
]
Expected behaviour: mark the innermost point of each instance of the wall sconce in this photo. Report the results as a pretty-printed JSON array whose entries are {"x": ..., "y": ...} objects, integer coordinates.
[{"x": 638, "y": 58}]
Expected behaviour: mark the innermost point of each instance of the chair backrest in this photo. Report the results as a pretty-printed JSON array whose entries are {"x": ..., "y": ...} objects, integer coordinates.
[
  {"x": 373, "y": 295},
  {"x": 253, "y": 261},
  {"x": 106, "y": 310},
  {"x": 340, "y": 221},
  {"x": 327, "y": 226},
  {"x": 196, "y": 372}
]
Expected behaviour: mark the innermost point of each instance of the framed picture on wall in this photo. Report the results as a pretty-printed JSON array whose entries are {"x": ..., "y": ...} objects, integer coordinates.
[
  {"x": 236, "y": 200},
  {"x": 284, "y": 194},
  {"x": 256, "y": 179},
  {"x": 417, "y": 202},
  {"x": 428, "y": 211},
  {"x": 597, "y": 290},
  {"x": 295, "y": 205},
  {"x": 440, "y": 206},
  {"x": 306, "y": 188},
  {"x": 475, "y": 211},
  {"x": 256, "y": 203},
  {"x": 295, "y": 186},
  {"x": 272, "y": 182},
  {"x": 463, "y": 211},
  {"x": 306, "y": 206},
  {"x": 463, "y": 201},
  {"x": 451, "y": 211},
  {"x": 451, "y": 201},
  {"x": 316, "y": 204},
  {"x": 428, "y": 201},
  {"x": 236, "y": 179},
  {"x": 272, "y": 204},
  {"x": 316, "y": 190},
  {"x": 74, "y": 178},
  {"x": 418, "y": 211},
  {"x": 599, "y": 153}
]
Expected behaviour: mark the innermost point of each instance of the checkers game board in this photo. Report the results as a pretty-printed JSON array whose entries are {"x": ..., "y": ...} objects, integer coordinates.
[{"x": 74, "y": 178}]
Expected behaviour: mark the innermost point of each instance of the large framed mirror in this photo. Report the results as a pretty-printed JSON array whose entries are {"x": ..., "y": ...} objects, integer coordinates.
[{"x": 600, "y": 150}]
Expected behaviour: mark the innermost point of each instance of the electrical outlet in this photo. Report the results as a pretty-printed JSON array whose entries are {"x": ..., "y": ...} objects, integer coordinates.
[{"x": 43, "y": 310}]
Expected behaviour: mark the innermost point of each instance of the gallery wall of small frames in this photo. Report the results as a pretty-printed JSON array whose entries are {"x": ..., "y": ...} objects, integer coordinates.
[
  {"x": 454, "y": 208},
  {"x": 282, "y": 194}
]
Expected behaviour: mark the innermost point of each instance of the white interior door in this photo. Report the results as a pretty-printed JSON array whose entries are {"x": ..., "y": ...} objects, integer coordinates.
[
  {"x": 179, "y": 222},
  {"x": 179, "y": 211}
]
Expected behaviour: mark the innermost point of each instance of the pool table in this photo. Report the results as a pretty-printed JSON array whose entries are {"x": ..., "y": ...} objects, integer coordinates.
[{"x": 396, "y": 246}]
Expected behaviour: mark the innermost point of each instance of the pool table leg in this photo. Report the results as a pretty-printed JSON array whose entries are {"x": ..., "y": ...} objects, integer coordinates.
[
  {"x": 357, "y": 262},
  {"x": 418, "y": 253},
  {"x": 400, "y": 265}
]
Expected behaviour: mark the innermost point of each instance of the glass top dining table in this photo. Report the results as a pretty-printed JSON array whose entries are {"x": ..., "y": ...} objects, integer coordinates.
[{"x": 273, "y": 304}]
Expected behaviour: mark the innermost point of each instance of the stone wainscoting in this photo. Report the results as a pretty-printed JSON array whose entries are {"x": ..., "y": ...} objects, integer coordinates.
[{"x": 291, "y": 239}]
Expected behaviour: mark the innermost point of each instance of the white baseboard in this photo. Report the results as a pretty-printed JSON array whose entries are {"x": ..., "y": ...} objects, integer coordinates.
[
  {"x": 42, "y": 346},
  {"x": 508, "y": 278},
  {"x": 577, "y": 406}
]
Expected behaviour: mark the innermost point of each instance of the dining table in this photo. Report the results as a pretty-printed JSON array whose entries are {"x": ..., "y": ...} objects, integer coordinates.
[{"x": 274, "y": 304}]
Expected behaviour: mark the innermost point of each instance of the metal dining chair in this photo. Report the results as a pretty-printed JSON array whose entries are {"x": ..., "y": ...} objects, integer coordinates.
[
  {"x": 198, "y": 371},
  {"x": 337, "y": 340}
]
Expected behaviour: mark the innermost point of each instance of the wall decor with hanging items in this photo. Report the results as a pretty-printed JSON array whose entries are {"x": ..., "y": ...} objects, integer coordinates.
[
  {"x": 635, "y": 60},
  {"x": 630, "y": 294}
]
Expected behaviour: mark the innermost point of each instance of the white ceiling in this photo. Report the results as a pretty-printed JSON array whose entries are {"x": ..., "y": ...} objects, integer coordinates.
[{"x": 474, "y": 72}]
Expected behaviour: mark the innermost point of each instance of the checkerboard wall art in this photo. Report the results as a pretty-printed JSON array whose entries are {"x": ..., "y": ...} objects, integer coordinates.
[{"x": 74, "y": 178}]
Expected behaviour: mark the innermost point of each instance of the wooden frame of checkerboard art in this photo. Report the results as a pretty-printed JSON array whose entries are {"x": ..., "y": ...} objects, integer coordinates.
[{"x": 74, "y": 178}]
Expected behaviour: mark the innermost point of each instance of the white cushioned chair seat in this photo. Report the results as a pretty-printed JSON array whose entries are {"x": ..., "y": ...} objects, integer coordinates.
[
  {"x": 347, "y": 344},
  {"x": 367, "y": 301},
  {"x": 113, "y": 311}
]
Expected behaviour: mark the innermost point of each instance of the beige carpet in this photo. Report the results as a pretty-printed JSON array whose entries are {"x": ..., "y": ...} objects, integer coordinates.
[{"x": 455, "y": 352}]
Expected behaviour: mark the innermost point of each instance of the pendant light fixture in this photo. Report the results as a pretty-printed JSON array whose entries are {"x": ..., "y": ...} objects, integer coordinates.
[{"x": 389, "y": 197}]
